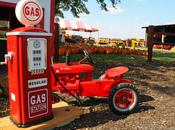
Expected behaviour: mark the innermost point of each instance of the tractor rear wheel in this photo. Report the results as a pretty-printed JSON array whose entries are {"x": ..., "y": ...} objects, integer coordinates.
[{"x": 123, "y": 99}]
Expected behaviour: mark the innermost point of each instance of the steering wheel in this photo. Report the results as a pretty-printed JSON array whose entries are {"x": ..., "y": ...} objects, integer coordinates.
[{"x": 87, "y": 56}]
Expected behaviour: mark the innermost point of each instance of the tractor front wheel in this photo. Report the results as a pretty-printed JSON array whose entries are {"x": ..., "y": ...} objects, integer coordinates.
[{"x": 123, "y": 99}]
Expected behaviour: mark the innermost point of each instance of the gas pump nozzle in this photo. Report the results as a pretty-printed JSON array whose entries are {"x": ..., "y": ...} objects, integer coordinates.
[{"x": 8, "y": 57}]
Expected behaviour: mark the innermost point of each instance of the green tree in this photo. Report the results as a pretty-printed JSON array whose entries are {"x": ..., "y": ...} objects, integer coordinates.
[{"x": 78, "y": 7}]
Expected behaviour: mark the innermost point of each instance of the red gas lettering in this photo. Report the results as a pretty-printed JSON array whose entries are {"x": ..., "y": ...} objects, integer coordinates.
[
  {"x": 32, "y": 12},
  {"x": 27, "y": 10},
  {"x": 37, "y": 12}
]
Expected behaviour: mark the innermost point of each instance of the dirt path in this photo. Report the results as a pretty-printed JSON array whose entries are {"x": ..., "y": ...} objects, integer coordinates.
[{"x": 156, "y": 110}]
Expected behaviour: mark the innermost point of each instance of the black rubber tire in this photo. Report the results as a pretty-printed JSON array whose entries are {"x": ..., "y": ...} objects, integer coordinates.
[{"x": 116, "y": 89}]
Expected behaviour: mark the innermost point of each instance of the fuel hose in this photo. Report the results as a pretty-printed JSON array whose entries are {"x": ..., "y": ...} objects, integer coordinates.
[{"x": 58, "y": 81}]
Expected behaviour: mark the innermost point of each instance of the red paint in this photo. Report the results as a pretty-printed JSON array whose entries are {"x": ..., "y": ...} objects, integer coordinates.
[
  {"x": 52, "y": 12},
  {"x": 116, "y": 71},
  {"x": 124, "y": 98},
  {"x": 38, "y": 103},
  {"x": 29, "y": 29},
  {"x": 78, "y": 79},
  {"x": 42, "y": 20},
  {"x": 63, "y": 68},
  {"x": 19, "y": 76},
  {"x": 5, "y": 4}
]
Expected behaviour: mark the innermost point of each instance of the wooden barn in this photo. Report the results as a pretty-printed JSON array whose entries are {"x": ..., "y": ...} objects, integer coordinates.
[{"x": 159, "y": 35}]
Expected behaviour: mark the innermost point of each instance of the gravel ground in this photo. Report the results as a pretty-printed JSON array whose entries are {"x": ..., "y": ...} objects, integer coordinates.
[{"x": 156, "y": 109}]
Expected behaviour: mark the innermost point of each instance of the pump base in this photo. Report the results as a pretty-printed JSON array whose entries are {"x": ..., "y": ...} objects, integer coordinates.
[
  {"x": 63, "y": 115},
  {"x": 20, "y": 125}
]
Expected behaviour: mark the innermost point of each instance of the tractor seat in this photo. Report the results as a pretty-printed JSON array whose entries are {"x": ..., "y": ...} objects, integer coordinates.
[
  {"x": 63, "y": 68},
  {"x": 114, "y": 72}
]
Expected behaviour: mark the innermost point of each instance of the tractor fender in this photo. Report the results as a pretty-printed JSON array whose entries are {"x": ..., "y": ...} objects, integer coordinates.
[{"x": 115, "y": 83}]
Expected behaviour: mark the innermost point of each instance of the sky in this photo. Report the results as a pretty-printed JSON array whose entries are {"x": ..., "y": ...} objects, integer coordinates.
[{"x": 128, "y": 19}]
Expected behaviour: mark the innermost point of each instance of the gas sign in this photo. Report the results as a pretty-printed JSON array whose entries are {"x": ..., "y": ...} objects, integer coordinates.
[
  {"x": 38, "y": 103},
  {"x": 28, "y": 12},
  {"x": 32, "y": 11}
]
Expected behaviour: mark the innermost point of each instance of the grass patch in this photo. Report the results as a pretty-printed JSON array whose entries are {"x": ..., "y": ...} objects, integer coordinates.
[
  {"x": 106, "y": 58},
  {"x": 162, "y": 56}
]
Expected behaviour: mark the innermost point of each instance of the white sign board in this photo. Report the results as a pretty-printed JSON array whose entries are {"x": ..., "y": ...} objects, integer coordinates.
[
  {"x": 37, "y": 54},
  {"x": 37, "y": 103},
  {"x": 35, "y": 83}
]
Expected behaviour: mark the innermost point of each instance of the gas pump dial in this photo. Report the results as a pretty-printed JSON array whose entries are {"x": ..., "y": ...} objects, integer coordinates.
[{"x": 37, "y": 55}]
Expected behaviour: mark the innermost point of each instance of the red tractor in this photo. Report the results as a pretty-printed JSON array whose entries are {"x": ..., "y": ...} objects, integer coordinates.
[{"x": 75, "y": 78}]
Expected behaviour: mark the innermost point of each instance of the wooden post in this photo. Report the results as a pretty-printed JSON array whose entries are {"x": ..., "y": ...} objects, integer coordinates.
[
  {"x": 150, "y": 41},
  {"x": 56, "y": 41}
]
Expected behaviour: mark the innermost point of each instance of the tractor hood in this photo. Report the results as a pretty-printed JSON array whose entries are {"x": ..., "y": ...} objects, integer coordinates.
[{"x": 63, "y": 68}]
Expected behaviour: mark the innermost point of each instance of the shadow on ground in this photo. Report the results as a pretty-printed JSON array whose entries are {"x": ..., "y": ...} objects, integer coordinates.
[
  {"x": 165, "y": 90},
  {"x": 104, "y": 115}
]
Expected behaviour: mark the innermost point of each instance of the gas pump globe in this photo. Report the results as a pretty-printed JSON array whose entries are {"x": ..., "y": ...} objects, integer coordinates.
[{"x": 29, "y": 67}]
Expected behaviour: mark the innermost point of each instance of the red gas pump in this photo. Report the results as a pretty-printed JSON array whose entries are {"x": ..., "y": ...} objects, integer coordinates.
[{"x": 29, "y": 67}]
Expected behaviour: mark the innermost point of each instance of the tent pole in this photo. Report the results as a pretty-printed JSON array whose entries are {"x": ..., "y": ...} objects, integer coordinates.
[{"x": 98, "y": 35}]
